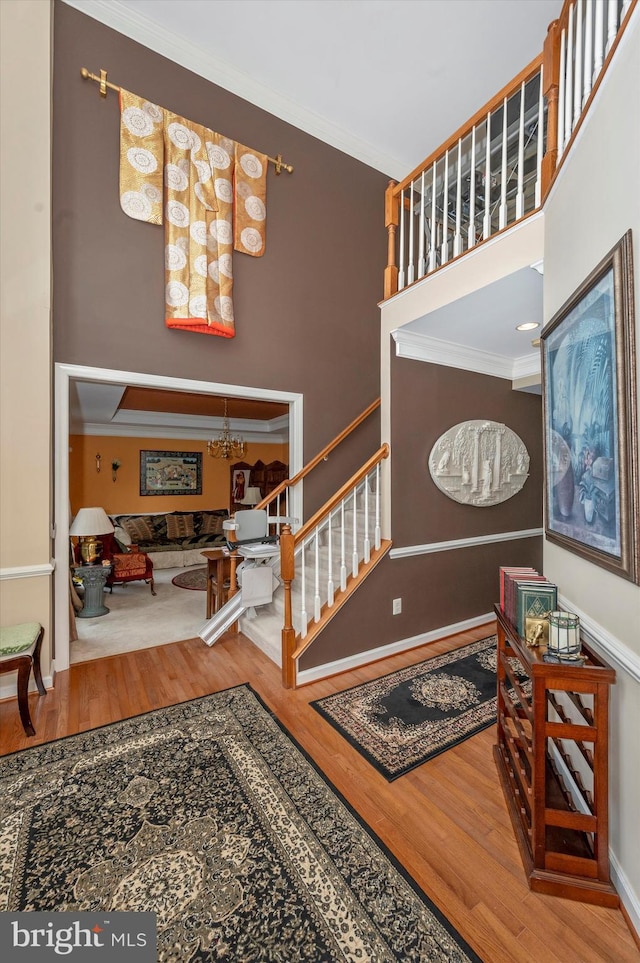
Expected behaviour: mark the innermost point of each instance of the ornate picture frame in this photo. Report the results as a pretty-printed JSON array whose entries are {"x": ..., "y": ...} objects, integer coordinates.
[
  {"x": 590, "y": 419},
  {"x": 170, "y": 472}
]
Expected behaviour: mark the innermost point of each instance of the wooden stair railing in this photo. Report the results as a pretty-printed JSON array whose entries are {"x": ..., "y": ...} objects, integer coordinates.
[
  {"x": 293, "y": 646},
  {"x": 577, "y": 51}
]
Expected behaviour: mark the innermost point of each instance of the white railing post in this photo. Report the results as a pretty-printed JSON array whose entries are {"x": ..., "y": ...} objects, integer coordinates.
[
  {"x": 471, "y": 232},
  {"x": 366, "y": 548},
  {"x": 421, "y": 261},
  {"x": 520, "y": 194},
  {"x": 561, "y": 87},
  {"x": 330, "y": 585},
  {"x": 304, "y": 621},
  {"x": 343, "y": 556},
  {"x": 355, "y": 561},
  {"x": 540, "y": 145},
  {"x": 444, "y": 251},
  {"x": 486, "y": 225},
  {"x": 598, "y": 41},
  {"x": 588, "y": 51},
  {"x": 568, "y": 90},
  {"x": 377, "y": 539},
  {"x": 502, "y": 213},
  {"x": 433, "y": 248},
  {"x": 412, "y": 217},
  {"x": 401, "y": 274},
  {"x": 577, "y": 80},
  {"x": 612, "y": 24},
  {"x": 316, "y": 597},
  {"x": 457, "y": 238}
]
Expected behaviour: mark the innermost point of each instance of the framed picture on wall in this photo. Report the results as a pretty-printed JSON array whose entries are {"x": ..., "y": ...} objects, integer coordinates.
[
  {"x": 590, "y": 419},
  {"x": 170, "y": 473}
]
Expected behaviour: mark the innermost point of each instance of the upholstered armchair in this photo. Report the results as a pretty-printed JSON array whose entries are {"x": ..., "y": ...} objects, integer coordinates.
[{"x": 128, "y": 565}]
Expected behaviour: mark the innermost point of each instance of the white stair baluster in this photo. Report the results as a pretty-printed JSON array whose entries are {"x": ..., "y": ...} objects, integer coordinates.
[
  {"x": 612, "y": 24},
  {"x": 568, "y": 91},
  {"x": 502, "y": 215},
  {"x": 316, "y": 597},
  {"x": 540, "y": 145},
  {"x": 625, "y": 6},
  {"x": 457, "y": 238},
  {"x": 330, "y": 585},
  {"x": 304, "y": 621},
  {"x": 598, "y": 41},
  {"x": 561, "y": 86},
  {"x": 412, "y": 217},
  {"x": 401, "y": 257},
  {"x": 354, "y": 555},
  {"x": 421, "y": 261},
  {"x": 444, "y": 252},
  {"x": 577, "y": 93},
  {"x": 367, "y": 542},
  {"x": 520, "y": 194},
  {"x": 343, "y": 557},
  {"x": 486, "y": 225},
  {"x": 433, "y": 239},
  {"x": 471, "y": 233},
  {"x": 377, "y": 534},
  {"x": 588, "y": 51}
]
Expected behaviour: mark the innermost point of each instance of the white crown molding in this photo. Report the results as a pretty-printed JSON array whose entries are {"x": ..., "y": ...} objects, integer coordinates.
[
  {"x": 160, "y": 424},
  {"x": 179, "y": 433},
  {"x": 455, "y": 543},
  {"x": 384, "y": 651},
  {"x": 113, "y": 14},
  {"x": 420, "y": 347}
]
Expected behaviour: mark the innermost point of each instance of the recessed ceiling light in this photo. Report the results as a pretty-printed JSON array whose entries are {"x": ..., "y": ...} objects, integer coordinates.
[{"x": 527, "y": 326}]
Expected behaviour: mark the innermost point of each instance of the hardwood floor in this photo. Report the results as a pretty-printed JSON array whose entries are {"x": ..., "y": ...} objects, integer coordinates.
[{"x": 446, "y": 821}]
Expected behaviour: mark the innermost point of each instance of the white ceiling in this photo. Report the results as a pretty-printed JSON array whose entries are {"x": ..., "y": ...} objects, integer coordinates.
[{"x": 386, "y": 81}]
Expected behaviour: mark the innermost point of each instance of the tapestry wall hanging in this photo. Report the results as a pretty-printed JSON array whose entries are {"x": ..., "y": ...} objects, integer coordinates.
[
  {"x": 170, "y": 473},
  {"x": 210, "y": 194}
]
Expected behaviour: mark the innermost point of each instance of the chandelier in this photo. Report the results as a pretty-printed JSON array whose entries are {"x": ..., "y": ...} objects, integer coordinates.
[{"x": 226, "y": 445}]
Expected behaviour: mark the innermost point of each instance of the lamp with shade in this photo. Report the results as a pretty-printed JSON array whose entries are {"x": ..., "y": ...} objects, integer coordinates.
[
  {"x": 252, "y": 497},
  {"x": 88, "y": 525}
]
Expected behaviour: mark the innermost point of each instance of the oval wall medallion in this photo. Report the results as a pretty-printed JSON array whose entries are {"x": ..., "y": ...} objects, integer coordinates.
[{"x": 479, "y": 463}]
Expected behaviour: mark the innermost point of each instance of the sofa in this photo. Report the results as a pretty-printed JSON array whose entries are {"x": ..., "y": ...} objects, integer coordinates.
[{"x": 172, "y": 539}]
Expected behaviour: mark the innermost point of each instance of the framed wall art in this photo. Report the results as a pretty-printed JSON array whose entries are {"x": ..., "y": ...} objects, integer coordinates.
[
  {"x": 590, "y": 418},
  {"x": 170, "y": 473}
]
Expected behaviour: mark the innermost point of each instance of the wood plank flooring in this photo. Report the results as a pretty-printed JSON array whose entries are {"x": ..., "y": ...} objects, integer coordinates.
[{"x": 446, "y": 821}]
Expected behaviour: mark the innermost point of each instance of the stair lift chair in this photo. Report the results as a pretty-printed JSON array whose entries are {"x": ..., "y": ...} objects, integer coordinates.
[{"x": 248, "y": 535}]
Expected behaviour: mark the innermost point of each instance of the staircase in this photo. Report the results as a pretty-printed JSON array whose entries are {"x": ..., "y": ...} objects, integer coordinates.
[{"x": 319, "y": 568}]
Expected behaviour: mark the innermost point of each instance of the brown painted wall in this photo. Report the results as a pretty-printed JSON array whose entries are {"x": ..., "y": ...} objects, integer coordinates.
[
  {"x": 306, "y": 313},
  {"x": 440, "y": 589}
]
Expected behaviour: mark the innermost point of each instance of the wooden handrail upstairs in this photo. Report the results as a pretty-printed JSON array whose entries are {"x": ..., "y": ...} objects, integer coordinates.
[{"x": 290, "y": 482}]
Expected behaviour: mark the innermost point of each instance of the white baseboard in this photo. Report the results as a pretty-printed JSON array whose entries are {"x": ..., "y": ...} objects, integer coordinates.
[
  {"x": 8, "y": 690},
  {"x": 627, "y": 896},
  {"x": 403, "y": 645}
]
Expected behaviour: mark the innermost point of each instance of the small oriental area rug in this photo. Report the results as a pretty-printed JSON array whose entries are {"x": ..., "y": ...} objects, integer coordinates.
[
  {"x": 208, "y": 814},
  {"x": 403, "y": 719},
  {"x": 194, "y": 579}
]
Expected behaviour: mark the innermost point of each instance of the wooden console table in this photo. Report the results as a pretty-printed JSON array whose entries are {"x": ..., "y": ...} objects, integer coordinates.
[{"x": 552, "y": 758}]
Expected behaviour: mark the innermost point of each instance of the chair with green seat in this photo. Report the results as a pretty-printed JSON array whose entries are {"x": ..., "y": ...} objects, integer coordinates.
[{"x": 20, "y": 649}]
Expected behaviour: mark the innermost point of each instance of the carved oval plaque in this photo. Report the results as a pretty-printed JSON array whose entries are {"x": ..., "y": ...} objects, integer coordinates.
[{"x": 479, "y": 463}]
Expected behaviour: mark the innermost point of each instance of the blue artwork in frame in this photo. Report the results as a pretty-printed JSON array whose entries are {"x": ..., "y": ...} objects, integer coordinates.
[{"x": 591, "y": 458}]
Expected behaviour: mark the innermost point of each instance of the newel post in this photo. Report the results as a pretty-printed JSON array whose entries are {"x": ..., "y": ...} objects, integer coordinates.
[
  {"x": 287, "y": 574},
  {"x": 233, "y": 582},
  {"x": 551, "y": 80},
  {"x": 391, "y": 210}
]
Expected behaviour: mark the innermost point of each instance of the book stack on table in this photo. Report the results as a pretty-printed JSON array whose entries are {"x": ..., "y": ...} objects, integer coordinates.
[{"x": 526, "y": 598}]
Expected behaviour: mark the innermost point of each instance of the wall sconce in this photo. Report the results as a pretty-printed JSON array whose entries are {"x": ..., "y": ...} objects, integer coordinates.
[
  {"x": 98, "y": 457},
  {"x": 115, "y": 464}
]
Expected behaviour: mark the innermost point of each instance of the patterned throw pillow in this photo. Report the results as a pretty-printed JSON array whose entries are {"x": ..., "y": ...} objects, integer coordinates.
[
  {"x": 211, "y": 523},
  {"x": 138, "y": 528},
  {"x": 179, "y": 526}
]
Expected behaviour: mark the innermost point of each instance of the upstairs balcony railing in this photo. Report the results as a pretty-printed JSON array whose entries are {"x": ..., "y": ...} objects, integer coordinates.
[{"x": 498, "y": 167}]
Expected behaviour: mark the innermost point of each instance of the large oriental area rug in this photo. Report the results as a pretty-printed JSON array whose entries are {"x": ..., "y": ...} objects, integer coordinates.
[
  {"x": 405, "y": 718},
  {"x": 209, "y": 815}
]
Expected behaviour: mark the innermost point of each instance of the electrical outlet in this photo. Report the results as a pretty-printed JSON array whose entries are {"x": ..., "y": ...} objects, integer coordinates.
[{"x": 397, "y": 606}]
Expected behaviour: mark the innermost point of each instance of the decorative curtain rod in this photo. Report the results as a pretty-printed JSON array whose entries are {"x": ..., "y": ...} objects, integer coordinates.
[{"x": 104, "y": 83}]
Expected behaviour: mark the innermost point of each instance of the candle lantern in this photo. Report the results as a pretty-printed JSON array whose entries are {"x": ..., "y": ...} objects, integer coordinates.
[{"x": 564, "y": 638}]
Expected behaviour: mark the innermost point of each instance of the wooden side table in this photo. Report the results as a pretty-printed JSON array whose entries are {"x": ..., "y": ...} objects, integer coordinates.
[
  {"x": 93, "y": 578},
  {"x": 218, "y": 569}
]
